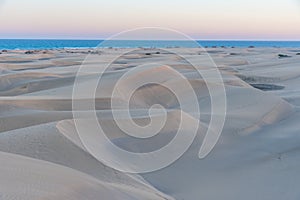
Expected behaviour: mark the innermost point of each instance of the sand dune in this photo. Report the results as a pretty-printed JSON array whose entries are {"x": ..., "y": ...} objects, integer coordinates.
[
  {"x": 25, "y": 178},
  {"x": 43, "y": 156}
]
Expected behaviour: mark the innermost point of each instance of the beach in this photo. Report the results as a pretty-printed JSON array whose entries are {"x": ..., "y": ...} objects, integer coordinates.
[{"x": 256, "y": 156}]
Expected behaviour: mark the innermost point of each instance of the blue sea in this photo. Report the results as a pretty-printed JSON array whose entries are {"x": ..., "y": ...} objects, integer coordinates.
[{"x": 10, "y": 44}]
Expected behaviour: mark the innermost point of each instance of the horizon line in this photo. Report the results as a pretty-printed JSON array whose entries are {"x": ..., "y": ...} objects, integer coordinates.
[{"x": 102, "y": 39}]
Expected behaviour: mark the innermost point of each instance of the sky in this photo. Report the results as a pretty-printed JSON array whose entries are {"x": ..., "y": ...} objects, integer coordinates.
[{"x": 200, "y": 19}]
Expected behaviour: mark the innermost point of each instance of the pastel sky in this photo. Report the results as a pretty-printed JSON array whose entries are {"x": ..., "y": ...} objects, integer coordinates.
[{"x": 200, "y": 19}]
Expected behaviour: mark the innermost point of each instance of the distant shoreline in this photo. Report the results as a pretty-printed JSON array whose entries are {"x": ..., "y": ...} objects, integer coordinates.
[{"x": 33, "y": 44}]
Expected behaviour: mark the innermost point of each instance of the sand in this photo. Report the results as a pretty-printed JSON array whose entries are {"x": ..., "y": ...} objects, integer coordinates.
[{"x": 256, "y": 157}]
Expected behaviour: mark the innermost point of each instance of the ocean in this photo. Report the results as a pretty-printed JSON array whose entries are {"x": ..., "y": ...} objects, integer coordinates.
[{"x": 10, "y": 44}]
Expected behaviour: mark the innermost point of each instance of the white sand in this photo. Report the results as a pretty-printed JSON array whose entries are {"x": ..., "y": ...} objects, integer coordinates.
[{"x": 256, "y": 157}]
